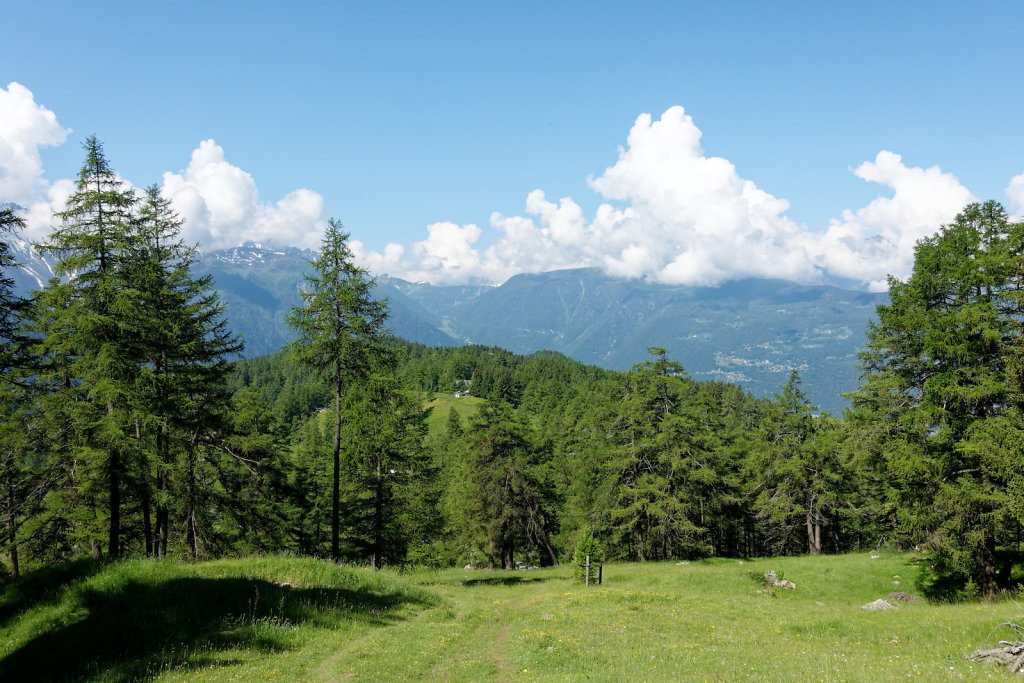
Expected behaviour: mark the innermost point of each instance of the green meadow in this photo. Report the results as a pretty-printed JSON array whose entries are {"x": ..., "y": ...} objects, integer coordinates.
[
  {"x": 439, "y": 408},
  {"x": 282, "y": 618}
]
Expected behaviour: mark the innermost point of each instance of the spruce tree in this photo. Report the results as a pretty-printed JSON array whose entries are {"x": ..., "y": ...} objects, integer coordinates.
[
  {"x": 664, "y": 471},
  {"x": 14, "y": 352},
  {"x": 796, "y": 472},
  {"x": 502, "y": 499}
]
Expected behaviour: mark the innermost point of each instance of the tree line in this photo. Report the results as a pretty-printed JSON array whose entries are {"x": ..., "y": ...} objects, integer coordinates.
[{"x": 130, "y": 429}]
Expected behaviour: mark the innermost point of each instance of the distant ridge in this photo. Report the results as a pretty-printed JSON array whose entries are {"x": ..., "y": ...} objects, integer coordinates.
[{"x": 749, "y": 332}]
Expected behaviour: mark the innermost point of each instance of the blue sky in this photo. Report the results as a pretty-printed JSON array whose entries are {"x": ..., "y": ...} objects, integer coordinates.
[{"x": 401, "y": 116}]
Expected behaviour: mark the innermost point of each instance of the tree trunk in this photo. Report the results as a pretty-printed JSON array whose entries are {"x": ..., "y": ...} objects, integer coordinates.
[
  {"x": 162, "y": 515},
  {"x": 988, "y": 581},
  {"x": 543, "y": 536},
  {"x": 190, "y": 501},
  {"x": 336, "y": 491},
  {"x": 490, "y": 552},
  {"x": 813, "y": 530},
  {"x": 114, "y": 474},
  {"x": 508, "y": 553},
  {"x": 11, "y": 535},
  {"x": 378, "y": 518},
  {"x": 147, "y": 526},
  {"x": 163, "y": 464}
]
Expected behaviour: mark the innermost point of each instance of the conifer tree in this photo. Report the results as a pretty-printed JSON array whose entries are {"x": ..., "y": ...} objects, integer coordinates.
[
  {"x": 84, "y": 320},
  {"x": 15, "y": 363},
  {"x": 182, "y": 346},
  {"x": 385, "y": 461},
  {"x": 14, "y": 351},
  {"x": 341, "y": 335},
  {"x": 311, "y": 486},
  {"x": 797, "y": 472},
  {"x": 135, "y": 354},
  {"x": 940, "y": 378},
  {"x": 502, "y": 497},
  {"x": 665, "y": 474}
]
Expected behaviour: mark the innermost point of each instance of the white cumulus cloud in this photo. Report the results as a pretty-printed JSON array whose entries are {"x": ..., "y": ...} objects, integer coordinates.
[
  {"x": 25, "y": 127},
  {"x": 220, "y": 202},
  {"x": 1015, "y": 193},
  {"x": 674, "y": 214},
  {"x": 878, "y": 239},
  {"x": 222, "y": 206},
  {"x": 695, "y": 220},
  {"x": 670, "y": 213}
]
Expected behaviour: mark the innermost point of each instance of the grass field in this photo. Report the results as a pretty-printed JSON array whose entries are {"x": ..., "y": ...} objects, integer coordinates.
[
  {"x": 440, "y": 406},
  {"x": 233, "y": 620}
]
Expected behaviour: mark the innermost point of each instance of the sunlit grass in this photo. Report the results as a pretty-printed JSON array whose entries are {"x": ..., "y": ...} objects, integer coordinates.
[
  {"x": 440, "y": 406},
  {"x": 232, "y": 620},
  {"x": 696, "y": 621}
]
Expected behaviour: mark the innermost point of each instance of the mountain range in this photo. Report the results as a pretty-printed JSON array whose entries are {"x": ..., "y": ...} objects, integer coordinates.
[{"x": 749, "y": 332}]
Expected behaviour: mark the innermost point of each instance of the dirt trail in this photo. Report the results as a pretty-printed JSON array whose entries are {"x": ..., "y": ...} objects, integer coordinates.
[{"x": 497, "y": 652}]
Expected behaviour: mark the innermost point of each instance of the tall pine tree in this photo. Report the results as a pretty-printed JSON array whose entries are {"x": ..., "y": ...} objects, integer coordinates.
[{"x": 341, "y": 335}]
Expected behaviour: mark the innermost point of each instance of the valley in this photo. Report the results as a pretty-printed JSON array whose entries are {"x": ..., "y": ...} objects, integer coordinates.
[{"x": 752, "y": 333}]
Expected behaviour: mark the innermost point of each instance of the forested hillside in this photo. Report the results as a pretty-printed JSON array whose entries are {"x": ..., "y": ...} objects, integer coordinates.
[{"x": 131, "y": 430}]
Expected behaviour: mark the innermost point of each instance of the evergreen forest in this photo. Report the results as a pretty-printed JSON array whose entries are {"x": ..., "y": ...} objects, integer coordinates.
[{"x": 132, "y": 428}]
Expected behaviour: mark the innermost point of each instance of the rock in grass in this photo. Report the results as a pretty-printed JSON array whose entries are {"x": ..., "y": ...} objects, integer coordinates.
[
  {"x": 878, "y": 605},
  {"x": 771, "y": 580}
]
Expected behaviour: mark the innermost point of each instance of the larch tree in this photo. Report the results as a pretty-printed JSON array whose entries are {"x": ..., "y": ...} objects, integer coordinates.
[
  {"x": 503, "y": 498},
  {"x": 15, "y": 362},
  {"x": 665, "y": 472},
  {"x": 939, "y": 375},
  {"x": 385, "y": 460},
  {"x": 182, "y": 346},
  {"x": 84, "y": 319},
  {"x": 797, "y": 472},
  {"x": 341, "y": 334}
]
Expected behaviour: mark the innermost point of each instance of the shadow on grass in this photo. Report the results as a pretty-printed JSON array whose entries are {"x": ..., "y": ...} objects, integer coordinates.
[
  {"x": 130, "y": 630},
  {"x": 42, "y": 587},
  {"x": 941, "y": 584},
  {"x": 505, "y": 580}
]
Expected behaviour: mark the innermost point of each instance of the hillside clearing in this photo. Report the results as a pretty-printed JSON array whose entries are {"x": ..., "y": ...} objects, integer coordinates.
[{"x": 441, "y": 405}]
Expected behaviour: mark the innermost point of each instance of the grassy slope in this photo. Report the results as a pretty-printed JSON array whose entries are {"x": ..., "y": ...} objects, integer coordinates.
[
  {"x": 437, "y": 419},
  {"x": 230, "y": 620},
  {"x": 138, "y": 619}
]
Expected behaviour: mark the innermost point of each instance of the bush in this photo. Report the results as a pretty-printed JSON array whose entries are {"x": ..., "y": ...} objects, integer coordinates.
[{"x": 585, "y": 547}]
